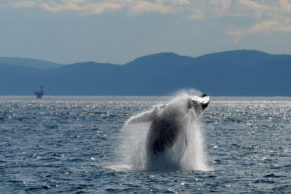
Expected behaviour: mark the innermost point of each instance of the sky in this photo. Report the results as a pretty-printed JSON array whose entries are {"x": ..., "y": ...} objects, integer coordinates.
[{"x": 118, "y": 31}]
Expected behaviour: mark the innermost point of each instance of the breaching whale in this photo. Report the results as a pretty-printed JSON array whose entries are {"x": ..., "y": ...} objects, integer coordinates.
[{"x": 166, "y": 140}]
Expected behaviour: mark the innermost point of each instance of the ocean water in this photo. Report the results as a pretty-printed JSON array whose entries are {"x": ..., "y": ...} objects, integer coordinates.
[{"x": 73, "y": 145}]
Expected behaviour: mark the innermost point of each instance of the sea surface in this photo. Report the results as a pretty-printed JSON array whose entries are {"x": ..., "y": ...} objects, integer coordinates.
[{"x": 71, "y": 145}]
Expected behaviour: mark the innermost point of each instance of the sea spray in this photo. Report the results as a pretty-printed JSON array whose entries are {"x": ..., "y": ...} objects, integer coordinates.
[
  {"x": 195, "y": 157},
  {"x": 132, "y": 150},
  {"x": 187, "y": 153}
]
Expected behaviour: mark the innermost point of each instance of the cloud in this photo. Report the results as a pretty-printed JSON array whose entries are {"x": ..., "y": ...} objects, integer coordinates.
[
  {"x": 101, "y": 6},
  {"x": 263, "y": 16},
  {"x": 221, "y": 6},
  {"x": 146, "y": 6},
  {"x": 24, "y": 4},
  {"x": 267, "y": 17},
  {"x": 264, "y": 27},
  {"x": 207, "y": 8},
  {"x": 91, "y": 7},
  {"x": 285, "y": 5}
]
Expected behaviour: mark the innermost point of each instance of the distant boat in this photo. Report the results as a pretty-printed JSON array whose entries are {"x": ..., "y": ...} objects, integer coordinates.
[{"x": 40, "y": 93}]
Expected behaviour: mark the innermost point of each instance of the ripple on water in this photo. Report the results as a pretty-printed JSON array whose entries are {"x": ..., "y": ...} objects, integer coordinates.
[{"x": 68, "y": 144}]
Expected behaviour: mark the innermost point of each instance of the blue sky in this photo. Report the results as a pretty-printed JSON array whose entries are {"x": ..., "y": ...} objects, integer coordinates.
[{"x": 117, "y": 31}]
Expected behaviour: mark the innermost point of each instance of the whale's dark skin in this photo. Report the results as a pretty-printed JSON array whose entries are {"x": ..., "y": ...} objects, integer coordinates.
[{"x": 163, "y": 132}]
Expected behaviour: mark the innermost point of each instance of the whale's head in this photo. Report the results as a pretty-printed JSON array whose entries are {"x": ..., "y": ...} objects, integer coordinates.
[{"x": 198, "y": 103}]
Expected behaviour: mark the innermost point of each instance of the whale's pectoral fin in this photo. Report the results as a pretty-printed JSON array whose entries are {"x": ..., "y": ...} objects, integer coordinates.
[{"x": 143, "y": 117}]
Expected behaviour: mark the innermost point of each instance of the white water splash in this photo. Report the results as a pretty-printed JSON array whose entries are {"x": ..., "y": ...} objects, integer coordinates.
[{"x": 195, "y": 157}]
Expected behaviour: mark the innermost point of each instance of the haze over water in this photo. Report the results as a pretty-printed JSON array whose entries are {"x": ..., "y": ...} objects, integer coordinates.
[{"x": 67, "y": 144}]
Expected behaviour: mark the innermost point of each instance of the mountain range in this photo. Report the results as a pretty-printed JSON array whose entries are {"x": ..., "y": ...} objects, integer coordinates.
[{"x": 230, "y": 73}]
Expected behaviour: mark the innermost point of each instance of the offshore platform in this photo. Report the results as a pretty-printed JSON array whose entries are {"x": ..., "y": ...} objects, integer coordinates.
[{"x": 39, "y": 93}]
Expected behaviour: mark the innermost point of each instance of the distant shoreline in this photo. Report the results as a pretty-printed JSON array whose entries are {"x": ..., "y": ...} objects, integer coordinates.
[{"x": 229, "y": 73}]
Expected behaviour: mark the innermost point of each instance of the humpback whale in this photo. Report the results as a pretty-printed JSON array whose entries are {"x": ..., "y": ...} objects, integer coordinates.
[{"x": 166, "y": 140}]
